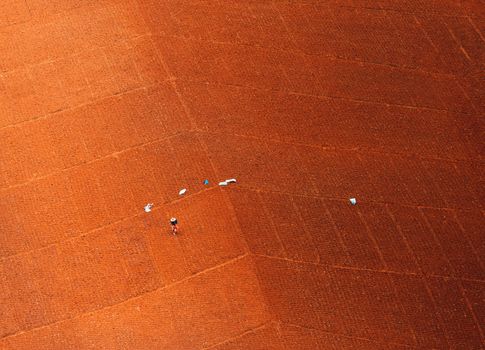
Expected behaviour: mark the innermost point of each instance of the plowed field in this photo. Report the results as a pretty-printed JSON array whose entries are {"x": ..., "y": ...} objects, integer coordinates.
[{"x": 107, "y": 105}]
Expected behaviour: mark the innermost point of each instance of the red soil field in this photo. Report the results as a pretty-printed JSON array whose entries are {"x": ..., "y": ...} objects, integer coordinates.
[{"x": 108, "y": 105}]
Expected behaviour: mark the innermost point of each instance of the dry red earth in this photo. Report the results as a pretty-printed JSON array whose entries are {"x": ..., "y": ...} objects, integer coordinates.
[{"x": 106, "y": 105}]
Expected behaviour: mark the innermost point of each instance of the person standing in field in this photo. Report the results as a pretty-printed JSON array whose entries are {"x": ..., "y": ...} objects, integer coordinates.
[{"x": 174, "y": 224}]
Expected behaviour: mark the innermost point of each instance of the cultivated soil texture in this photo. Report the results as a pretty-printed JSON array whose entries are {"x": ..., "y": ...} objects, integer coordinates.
[{"x": 107, "y": 105}]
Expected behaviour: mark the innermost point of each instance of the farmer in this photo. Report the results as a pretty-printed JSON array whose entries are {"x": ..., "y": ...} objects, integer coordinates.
[{"x": 174, "y": 224}]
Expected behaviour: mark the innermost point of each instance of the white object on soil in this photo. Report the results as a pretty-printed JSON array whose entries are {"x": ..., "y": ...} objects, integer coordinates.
[
  {"x": 148, "y": 207},
  {"x": 229, "y": 181},
  {"x": 223, "y": 183},
  {"x": 353, "y": 201},
  {"x": 182, "y": 191}
]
